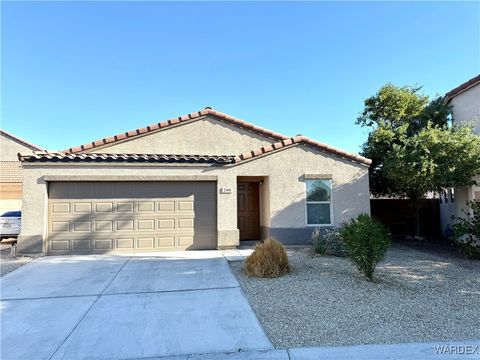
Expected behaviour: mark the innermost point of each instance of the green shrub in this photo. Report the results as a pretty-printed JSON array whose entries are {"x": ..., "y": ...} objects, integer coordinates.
[
  {"x": 367, "y": 242},
  {"x": 328, "y": 241},
  {"x": 319, "y": 242},
  {"x": 269, "y": 259},
  {"x": 466, "y": 231}
]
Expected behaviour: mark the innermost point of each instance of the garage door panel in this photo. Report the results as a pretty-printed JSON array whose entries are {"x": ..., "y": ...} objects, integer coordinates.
[
  {"x": 95, "y": 217},
  {"x": 125, "y": 207},
  {"x": 146, "y": 206},
  {"x": 185, "y": 223},
  {"x": 124, "y": 225},
  {"x": 82, "y": 226},
  {"x": 60, "y": 245},
  {"x": 60, "y": 208},
  {"x": 146, "y": 242},
  {"x": 185, "y": 241},
  {"x": 146, "y": 224},
  {"x": 104, "y": 207},
  {"x": 103, "y": 244},
  {"x": 82, "y": 208},
  {"x": 60, "y": 226},
  {"x": 166, "y": 242},
  {"x": 125, "y": 243},
  {"x": 104, "y": 225},
  {"x": 166, "y": 206},
  {"x": 82, "y": 245}
]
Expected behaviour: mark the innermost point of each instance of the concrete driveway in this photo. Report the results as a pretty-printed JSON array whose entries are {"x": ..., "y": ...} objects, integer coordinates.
[{"x": 123, "y": 307}]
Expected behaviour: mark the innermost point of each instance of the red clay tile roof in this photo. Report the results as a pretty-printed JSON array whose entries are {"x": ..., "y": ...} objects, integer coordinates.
[
  {"x": 169, "y": 158},
  {"x": 305, "y": 140},
  {"x": 150, "y": 158},
  {"x": 461, "y": 88},
  {"x": 11, "y": 172},
  {"x": 181, "y": 119},
  {"x": 283, "y": 139},
  {"x": 21, "y": 141}
]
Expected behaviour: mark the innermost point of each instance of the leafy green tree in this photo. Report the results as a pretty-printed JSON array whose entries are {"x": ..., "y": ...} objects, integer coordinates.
[
  {"x": 433, "y": 159},
  {"x": 393, "y": 107},
  {"x": 466, "y": 231},
  {"x": 413, "y": 147}
]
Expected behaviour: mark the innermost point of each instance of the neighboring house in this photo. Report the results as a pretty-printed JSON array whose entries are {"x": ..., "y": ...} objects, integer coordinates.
[
  {"x": 205, "y": 180},
  {"x": 465, "y": 102},
  {"x": 11, "y": 170}
]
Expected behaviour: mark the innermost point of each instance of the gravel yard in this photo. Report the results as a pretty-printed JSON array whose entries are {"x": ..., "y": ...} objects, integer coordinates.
[
  {"x": 416, "y": 297},
  {"x": 7, "y": 264}
]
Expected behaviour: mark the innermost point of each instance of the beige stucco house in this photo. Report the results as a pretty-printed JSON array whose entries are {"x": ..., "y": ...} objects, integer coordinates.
[
  {"x": 205, "y": 180},
  {"x": 465, "y": 102},
  {"x": 11, "y": 176}
]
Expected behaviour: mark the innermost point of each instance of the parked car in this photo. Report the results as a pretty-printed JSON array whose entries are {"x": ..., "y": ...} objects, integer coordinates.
[{"x": 10, "y": 224}]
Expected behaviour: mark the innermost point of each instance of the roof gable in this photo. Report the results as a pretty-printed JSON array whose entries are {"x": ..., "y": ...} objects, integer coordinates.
[
  {"x": 10, "y": 145},
  {"x": 269, "y": 135},
  {"x": 461, "y": 88},
  {"x": 19, "y": 141},
  {"x": 301, "y": 140},
  {"x": 266, "y": 141}
]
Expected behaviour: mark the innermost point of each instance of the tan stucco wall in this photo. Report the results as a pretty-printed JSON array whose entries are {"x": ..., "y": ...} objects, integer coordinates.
[
  {"x": 8, "y": 152},
  {"x": 284, "y": 171},
  {"x": 206, "y": 136},
  {"x": 458, "y": 208},
  {"x": 9, "y": 149},
  {"x": 466, "y": 107}
]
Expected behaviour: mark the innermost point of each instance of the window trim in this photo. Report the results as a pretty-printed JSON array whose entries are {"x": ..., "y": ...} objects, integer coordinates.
[{"x": 332, "y": 222}]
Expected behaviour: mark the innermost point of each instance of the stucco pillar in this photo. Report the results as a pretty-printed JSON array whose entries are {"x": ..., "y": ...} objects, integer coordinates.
[
  {"x": 228, "y": 234},
  {"x": 34, "y": 212}
]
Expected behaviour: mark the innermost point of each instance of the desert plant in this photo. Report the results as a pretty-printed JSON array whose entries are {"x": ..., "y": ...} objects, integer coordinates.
[
  {"x": 328, "y": 241},
  {"x": 319, "y": 242},
  {"x": 269, "y": 259},
  {"x": 366, "y": 241},
  {"x": 466, "y": 231}
]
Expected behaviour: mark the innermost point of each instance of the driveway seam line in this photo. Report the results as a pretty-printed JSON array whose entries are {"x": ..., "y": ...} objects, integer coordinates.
[
  {"x": 49, "y": 297},
  {"x": 122, "y": 293},
  {"x": 170, "y": 291},
  {"x": 88, "y": 310},
  {"x": 288, "y": 354},
  {"x": 190, "y": 355}
]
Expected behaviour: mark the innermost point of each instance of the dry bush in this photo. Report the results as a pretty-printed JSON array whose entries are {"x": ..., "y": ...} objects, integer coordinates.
[{"x": 269, "y": 259}]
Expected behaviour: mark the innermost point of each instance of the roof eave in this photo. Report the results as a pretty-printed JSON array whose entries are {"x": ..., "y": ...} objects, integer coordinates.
[
  {"x": 283, "y": 144},
  {"x": 21, "y": 141},
  {"x": 461, "y": 88}
]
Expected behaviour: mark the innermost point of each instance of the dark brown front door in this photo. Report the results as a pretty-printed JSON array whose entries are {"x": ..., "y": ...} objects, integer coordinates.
[{"x": 248, "y": 208}]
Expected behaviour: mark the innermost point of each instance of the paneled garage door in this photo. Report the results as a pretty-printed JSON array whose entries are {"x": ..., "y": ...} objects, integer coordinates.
[{"x": 97, "y": 217}]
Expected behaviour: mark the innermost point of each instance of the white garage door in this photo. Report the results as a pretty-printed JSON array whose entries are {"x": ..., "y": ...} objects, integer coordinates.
[{"x": 98, "y": 217}]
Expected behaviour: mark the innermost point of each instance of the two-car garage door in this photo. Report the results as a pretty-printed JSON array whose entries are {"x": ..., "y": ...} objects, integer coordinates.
[{"x": 97, "y": 217}]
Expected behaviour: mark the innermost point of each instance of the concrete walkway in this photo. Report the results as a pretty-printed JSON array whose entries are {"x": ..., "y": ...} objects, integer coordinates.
[
  {"x": 120, "y": 307},
  {"x": 417, "y": 351}
]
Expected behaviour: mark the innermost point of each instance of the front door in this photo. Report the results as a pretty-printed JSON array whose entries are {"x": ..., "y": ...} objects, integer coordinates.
[{"x": 248, "y": 210}]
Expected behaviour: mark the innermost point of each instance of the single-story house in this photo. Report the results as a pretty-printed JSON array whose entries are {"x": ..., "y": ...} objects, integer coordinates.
[
  {"x": 11, "y": 176},
  {"x": 205, "y": 180},
  {"x": 465, "y": 102}
]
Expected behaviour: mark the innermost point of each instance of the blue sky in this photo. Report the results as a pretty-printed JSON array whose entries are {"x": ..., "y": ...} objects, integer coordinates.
[{"x": 73, "y": 72}]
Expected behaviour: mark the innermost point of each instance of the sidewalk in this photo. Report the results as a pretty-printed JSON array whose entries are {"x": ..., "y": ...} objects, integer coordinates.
[{"x": 421, "y": 351}]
